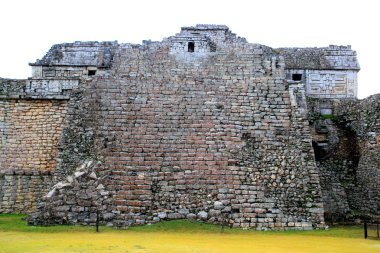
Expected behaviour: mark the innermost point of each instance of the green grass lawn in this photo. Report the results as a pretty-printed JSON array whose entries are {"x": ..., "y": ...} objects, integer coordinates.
[{"x": 176, "y": 236}]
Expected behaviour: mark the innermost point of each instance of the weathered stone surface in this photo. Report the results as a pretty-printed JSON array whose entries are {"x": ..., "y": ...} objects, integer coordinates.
[
  {"x": 175, "y": 216},
  {"x": 329, "y": 72},
  {"x": 30, "y": 132},
  {"x": 202, "y": 215},
  {"x": 348, "y": 160},
  {"x": 162, "y": 215},
  {"x": 19, "y": 193},
  {"x": 218, "y": 205},
  {"x": 202, "y": 124},
  {"x": 332, "y": 57},
  {"x": 76, "y": 201},
  {"x": 191, "y": 216}
]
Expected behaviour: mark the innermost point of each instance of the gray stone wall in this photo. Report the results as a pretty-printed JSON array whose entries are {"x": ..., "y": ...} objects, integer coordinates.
[
  {"x": 325, "y": 58},
  {"x": 50, "y": 86},
  {"x": 79, "y": 54},
  {"x": 329, "y": 72},
  {"x": 334, "y": 84},
  {"x": 363, "y": 117},
  {"x": 30, "y": 129},
  {"x": 346, "y": 145},
  {"x": 19, "y": 193},
  {"x": 11, "y": 86},
  {"x": 212, "y": 135},
  {"x": 202, "y": 125},
  {"x": 79, "y": 199}
]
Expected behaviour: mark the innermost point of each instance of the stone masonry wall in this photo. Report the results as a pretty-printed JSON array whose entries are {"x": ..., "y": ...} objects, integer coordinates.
[
  {"x": 363, "y": 118},
  {"x": 202, "y": 125},
  {"x": 346, "y": 142},
  {"x": 78, "y": 199},
  {"x": 335, "y": 84},
  {"x": 9, "y": 86},
  {"x": 29, "y": 135},
  {"x": 328, "y": 72},
  {"x": 30, "y": 131},
  {"x": 207, "y": 135},
  {"x": 20, "y": 193}
]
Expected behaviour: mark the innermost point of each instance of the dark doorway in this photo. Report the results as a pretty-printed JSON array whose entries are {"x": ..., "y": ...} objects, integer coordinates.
[{"x": 190, "y": 47}]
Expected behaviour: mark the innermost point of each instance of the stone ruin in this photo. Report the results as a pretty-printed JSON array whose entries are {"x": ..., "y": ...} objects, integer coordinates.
[
  {"x": 78, "y": 198},
  {"x": 202, "y": 125}
]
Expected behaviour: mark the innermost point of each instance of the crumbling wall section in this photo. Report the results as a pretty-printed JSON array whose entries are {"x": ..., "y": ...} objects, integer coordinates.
[
  {"x": 363, "y": 117},
  {"x": 346, "y": 143},
  {"x": 80, "y": 198}
]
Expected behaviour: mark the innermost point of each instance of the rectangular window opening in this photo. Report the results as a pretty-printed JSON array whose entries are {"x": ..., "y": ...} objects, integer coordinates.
[
  {"x": 91, "y": 72},
  {"x": 297, "y": 77}
]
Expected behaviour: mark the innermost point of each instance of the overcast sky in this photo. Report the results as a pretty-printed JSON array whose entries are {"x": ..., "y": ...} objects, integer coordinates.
[{"x": 30, "y": 27}]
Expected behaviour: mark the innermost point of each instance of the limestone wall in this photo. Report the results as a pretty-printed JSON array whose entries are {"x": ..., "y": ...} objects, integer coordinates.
[
  {"x": 11, "y": 86},
  {"x": 20, "y": 193},
  {"x": 208, "y": 135},
  {"x": 30, "y": 131},
  {"x": 209, "y": 131},
  {"x": 346, "y": 142},
  {"x": 328, "y": 72},
  {"x": 363, "y": 117},
  {"x": 50, "y": 86},
  {"x": 336, "y": 84},
  {"x": 29, "y": 134},
  {"x": 63, "y": 73},
  {"x": 79, "y": 54}
]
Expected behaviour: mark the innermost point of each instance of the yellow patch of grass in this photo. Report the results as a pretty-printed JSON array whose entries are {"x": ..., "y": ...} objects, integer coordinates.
[
  {"x": 176, "y": 237},
  {"x": 168, "y": 242}
]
